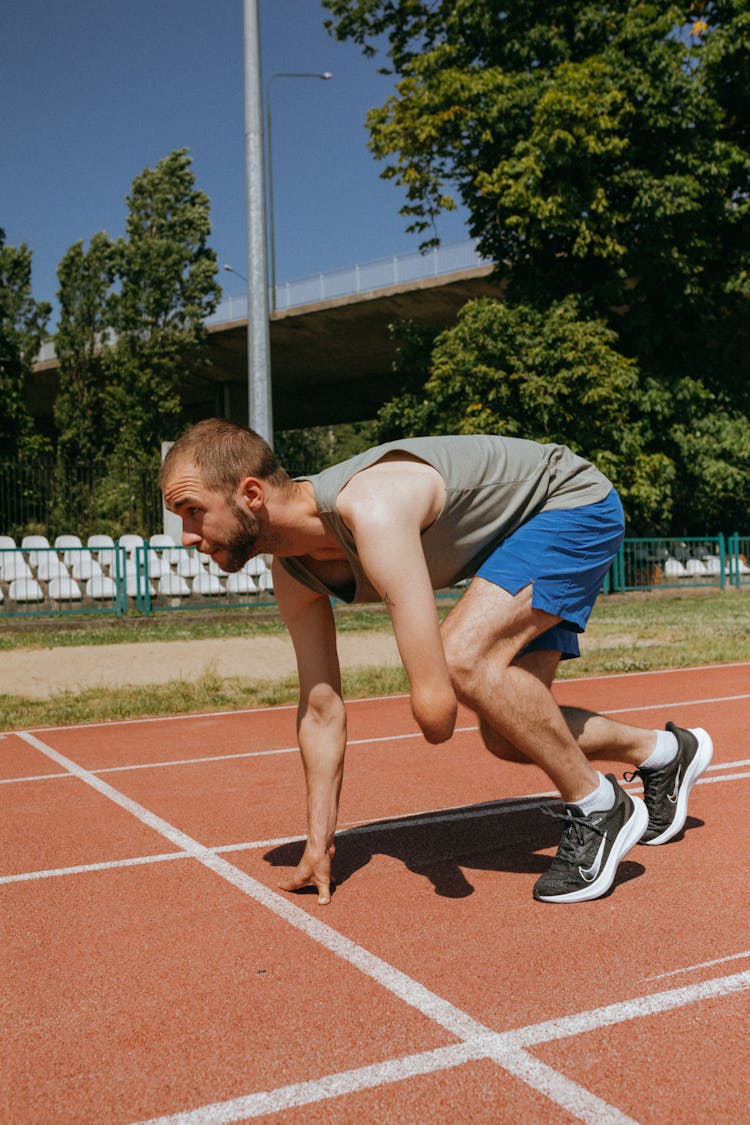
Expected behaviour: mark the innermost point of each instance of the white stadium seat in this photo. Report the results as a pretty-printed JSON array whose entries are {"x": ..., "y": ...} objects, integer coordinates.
[
  {"x": 265, "y": 582},
  {"x": 188, "y": 565},
  {"x": 50, "y": 566},
  {"x": 64, "y": 590},
  {"x": 130, "y": 542},
  {"x": 135, "y": 585},
  {"x": 85, "y": 567},
  {"x": 207, "y": 585},
  {"x": 99, "y": 542},
  {"x": 255, "y": 567},
  {"x": 173, "y": 586},
  {"x": 63, "y": 542},
  {"x": 673, "y": 568},
  {"x": 158, "y": 564},
  {"x": 241, "y": 583},
  {"x": 25, "y": 590},
  {"x": 166, "y": 545},
  {"x": 101, "y": 588},
  {"x": 36, "y": 545},
  {"x": 14, "y": 566}
]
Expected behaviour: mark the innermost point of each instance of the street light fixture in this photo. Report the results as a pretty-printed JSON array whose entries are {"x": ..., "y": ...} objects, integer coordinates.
[
  {"x": 325, "y": 76},
  {"x": 231, "y": 269}
]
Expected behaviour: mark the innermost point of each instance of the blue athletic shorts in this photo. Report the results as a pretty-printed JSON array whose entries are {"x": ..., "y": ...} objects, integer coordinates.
[{"x": 564, "y": 555}]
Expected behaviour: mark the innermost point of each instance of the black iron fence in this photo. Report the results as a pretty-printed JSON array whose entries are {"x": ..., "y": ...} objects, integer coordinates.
[{"x": 50, "y": 498}]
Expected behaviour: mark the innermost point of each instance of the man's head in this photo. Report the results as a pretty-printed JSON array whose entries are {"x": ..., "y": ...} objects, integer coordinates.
[
  {"x": 214, "y": 477},
  {"x": 224, "y": 454}
]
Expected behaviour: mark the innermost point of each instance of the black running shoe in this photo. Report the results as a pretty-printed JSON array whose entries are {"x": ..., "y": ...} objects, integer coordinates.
[
  {"x": 590, "y": 849},
  {"x": 666, "y": 790}
]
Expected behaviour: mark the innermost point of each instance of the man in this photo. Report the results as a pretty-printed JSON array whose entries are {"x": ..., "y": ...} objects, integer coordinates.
[{"x": 536, "y": 528}]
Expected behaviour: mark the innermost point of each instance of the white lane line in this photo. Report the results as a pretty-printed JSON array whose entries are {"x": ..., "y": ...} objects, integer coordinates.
[
  {"x": 362, "y": 828},
  {"x": 722, "y": 777},
  {"x": 455, "y": 1021},
  {"x": 387, "y": 824},
  {"x": 679, "y": 703},
  {"x": 566, "y": 1093},
  {"x": 452, "y": 1019},
  {"x": 192, "y": 716},
  {"x": 701, "y": 965},
  {"x": 83, "y": 868},
  {"x": 321, "y": 1089},
  {"x": 509, "y": 1049},
  {"x": 208, "y": 758},
  {"x": 652, "y": 1004}
]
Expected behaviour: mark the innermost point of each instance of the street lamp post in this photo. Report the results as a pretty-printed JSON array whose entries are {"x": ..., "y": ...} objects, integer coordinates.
[
  {"x": 325, "y": 75},
  {"x": 260, "y": 405}
]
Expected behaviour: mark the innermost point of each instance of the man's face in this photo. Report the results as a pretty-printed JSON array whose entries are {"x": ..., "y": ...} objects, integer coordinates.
[{"x": 218, "y": 527}]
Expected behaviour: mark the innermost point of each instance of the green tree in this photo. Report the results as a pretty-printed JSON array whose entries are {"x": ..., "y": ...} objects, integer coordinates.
[
  {"x": 550, "y": 376},
  {"x": 83, "y": 334},
  {"x": 602, "y": 153},
  {"x": 22, "y": 325},
  {"x": 167, "y": 286}
]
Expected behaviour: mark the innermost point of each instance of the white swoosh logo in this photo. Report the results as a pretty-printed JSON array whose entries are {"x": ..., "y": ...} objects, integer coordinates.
[
  {"x": 591, "y": 873},
  {"x": 674, "y": 794}
]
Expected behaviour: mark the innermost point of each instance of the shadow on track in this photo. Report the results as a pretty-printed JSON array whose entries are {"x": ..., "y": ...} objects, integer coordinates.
[{"x": 444, "y": 846}]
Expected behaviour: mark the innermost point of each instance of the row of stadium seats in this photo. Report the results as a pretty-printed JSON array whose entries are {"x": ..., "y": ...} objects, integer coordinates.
[{"x": 68, "y": 571}]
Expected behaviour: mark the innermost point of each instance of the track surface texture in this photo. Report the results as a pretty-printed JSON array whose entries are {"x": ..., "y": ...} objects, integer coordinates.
[{"x": 153, "y": 971}]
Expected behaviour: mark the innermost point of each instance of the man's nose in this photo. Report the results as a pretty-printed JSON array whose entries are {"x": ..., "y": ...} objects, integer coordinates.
[{"x": 190, "y": 539}]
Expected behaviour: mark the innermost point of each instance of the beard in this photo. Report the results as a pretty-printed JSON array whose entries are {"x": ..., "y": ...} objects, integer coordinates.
[{"x": 241, "y": 543}]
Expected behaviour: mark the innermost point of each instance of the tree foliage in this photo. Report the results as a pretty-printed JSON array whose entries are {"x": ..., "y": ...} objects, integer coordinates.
[
  {"x": 549, "y": 376},
  {"x": 83, "y": 334},
  {"x": 22, "y": 325},
  {"x": 131, "y": 324},
  {"x": 603, "y": 154},
  {"x": 167, "y": 286}
]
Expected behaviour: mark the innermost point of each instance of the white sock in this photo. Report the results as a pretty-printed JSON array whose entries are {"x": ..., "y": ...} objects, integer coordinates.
[
  {"x": 664, "y": 751},
  {"x": 601, "y": 799}
]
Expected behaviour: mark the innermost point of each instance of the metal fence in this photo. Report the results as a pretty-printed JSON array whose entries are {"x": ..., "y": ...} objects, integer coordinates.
[
  {"x": 130, "y": 574},
  {"x": 645, "y": 564},
  {"x": 50, "y": 498},
  {"x": 116, "y": 577}
]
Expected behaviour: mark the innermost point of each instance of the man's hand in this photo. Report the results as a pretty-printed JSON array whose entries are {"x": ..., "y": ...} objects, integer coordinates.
[{"x": 313, "y": 870}]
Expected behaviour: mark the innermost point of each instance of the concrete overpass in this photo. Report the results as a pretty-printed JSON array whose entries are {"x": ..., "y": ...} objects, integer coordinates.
[{"x": 331, "y": 354}]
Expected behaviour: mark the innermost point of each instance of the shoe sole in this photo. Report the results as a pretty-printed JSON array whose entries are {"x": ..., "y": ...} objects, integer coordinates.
[
  {"x": 700, "y": 762},
  {"x": 630, "y": 834}
]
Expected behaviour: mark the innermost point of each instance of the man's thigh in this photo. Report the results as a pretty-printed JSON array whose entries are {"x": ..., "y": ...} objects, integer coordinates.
[{"x": 488, "y": 622}]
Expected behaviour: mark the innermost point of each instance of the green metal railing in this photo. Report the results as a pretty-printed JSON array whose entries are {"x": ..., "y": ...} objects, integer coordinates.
[
  {"x": 644, "y": 564},
  {"x": 129, "y": 576}
]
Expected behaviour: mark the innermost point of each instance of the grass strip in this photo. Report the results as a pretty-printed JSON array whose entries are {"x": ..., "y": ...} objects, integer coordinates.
[{"x": 628, "y": 634}]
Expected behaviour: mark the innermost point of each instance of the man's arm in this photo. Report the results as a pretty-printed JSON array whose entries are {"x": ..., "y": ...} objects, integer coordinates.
[
  {"x": 321, "y": 724},
  {"x": 386, "y": 507}
]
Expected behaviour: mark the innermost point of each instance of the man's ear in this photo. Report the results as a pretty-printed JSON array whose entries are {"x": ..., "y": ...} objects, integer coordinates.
[{"x": 252, "y": 491}]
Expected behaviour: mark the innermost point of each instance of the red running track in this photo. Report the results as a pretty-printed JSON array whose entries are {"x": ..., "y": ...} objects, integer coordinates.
[{"x": 153, "y": 972}]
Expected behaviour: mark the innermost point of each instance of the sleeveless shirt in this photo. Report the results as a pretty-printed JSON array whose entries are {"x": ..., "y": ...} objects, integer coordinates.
[{"x": 492, "y": 485}]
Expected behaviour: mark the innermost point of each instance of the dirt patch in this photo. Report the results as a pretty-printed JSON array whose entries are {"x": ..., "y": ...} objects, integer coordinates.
[{"x": 42, "y": 673}]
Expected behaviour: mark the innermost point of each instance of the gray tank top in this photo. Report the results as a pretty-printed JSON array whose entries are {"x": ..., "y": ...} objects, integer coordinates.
[{"x": 493, "y": 484}]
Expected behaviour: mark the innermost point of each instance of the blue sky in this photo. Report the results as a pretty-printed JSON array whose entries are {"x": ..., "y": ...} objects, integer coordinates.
[{"x": 93, "y": 91}]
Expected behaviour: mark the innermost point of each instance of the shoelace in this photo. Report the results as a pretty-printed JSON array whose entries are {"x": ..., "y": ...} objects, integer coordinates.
[
  {"x": 573, "y": 837},
  {"x": 654, "y": 786}
]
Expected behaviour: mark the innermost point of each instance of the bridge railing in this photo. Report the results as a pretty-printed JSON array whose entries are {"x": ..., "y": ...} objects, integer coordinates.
[{"x": 397, "y": 269}]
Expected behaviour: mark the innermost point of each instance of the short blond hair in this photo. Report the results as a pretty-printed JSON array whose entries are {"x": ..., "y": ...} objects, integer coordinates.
[{"x": 224, "y": 453}]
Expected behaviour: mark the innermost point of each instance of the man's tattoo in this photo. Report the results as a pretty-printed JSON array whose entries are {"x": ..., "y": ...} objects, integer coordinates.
[{"x": 387, "y": 599}]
